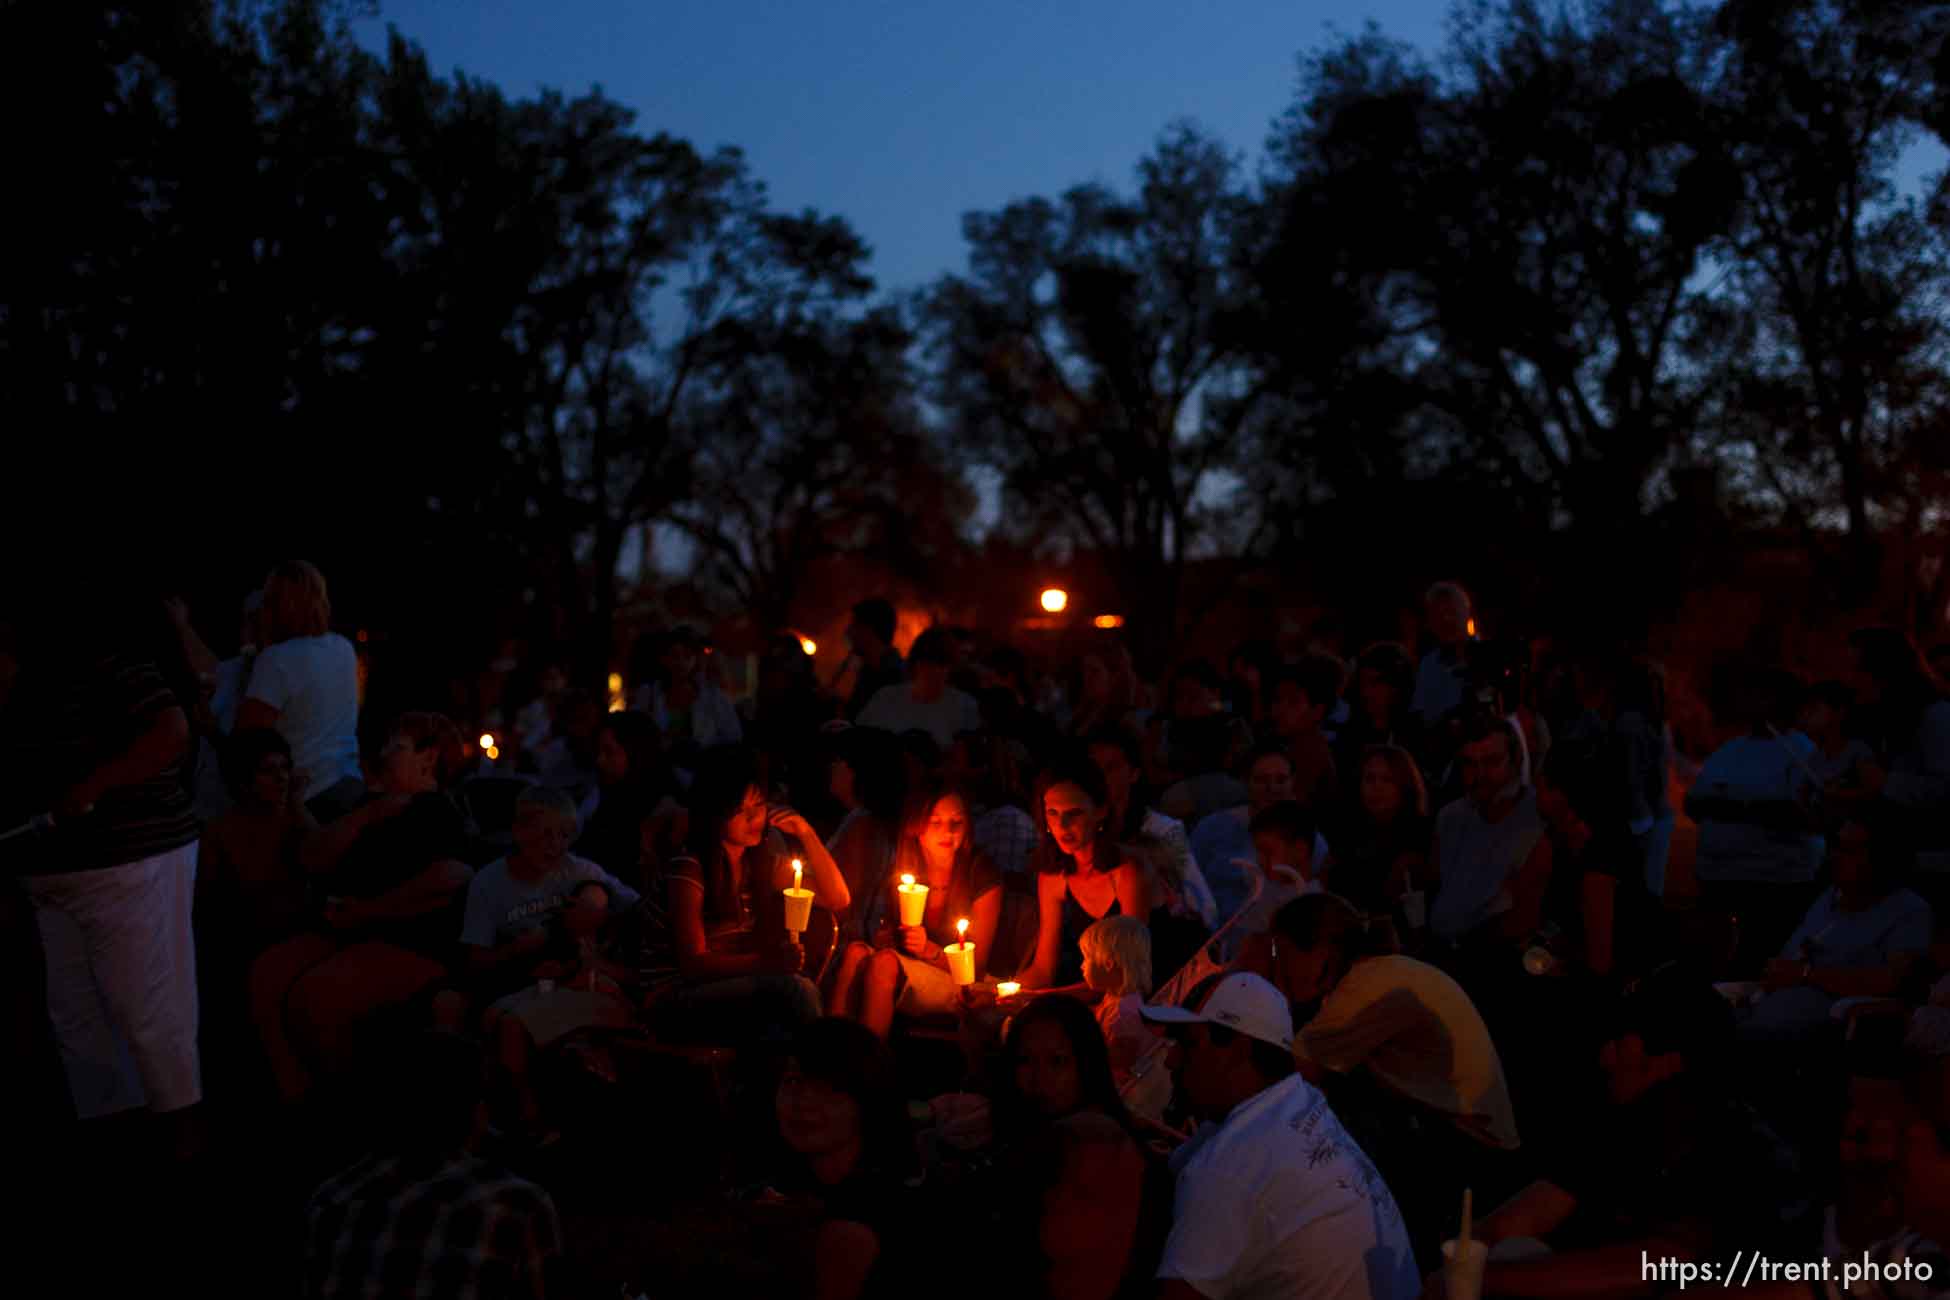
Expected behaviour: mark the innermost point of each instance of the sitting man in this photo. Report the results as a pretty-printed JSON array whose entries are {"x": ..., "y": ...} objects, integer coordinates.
[
  {"x": 1491, "y": 858},
  {"x": 423, "y": 1205},
  {"x": 1227, "y": 837},
  {"x": 1274, "y": 1199},
  {"x": 1675, "y": 1167}
]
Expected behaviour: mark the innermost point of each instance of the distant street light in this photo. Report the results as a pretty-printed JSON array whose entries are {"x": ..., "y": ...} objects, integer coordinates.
[
  {"x": 487, "y": 740},
  {"x": 1108, "y": 620},
  {"x": 1055, "y": 600},
  {"x": 810, "y": 646}
]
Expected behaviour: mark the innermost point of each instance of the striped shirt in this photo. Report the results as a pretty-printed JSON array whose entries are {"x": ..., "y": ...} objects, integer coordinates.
[
  {"x": 96, "y": 714},
  {"x": 450, "y": 1228}
]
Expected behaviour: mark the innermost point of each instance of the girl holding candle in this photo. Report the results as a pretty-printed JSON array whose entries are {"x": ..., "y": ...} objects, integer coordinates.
[
  {"x": 914, "y": 976},
  {"x": 725, "y": 900},
  {"x": 1081, "y": 874}
]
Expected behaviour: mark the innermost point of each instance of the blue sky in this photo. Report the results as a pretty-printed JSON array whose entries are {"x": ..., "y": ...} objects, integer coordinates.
[{"x": 903, "y": 116}]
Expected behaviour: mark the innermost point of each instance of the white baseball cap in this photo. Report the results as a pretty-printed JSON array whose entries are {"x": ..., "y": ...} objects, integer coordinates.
[{"x": 1244, "y": 1003}]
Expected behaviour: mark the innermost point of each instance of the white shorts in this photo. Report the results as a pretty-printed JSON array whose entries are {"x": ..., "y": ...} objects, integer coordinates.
[{"x": 121, "y": 982}]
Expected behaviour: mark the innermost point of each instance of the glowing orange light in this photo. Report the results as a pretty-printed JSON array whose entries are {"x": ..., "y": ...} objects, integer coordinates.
[
  {"x": 961, "y": 928},
  {"x": 1472, "y": 627},
  {"x": 907, "y": 879},
  {"x": 616, "y": 706},
  {"x": 492, "y": 753},
  {"x": 616, "y": 683},
  {"x": 810, "y": 646},
  {"x": 1109, "y": 620},
  {"x": 1055, "y": 600},
  {"x": 487, "y": 740}
]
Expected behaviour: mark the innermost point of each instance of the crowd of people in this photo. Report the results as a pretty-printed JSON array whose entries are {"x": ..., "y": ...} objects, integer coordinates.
[{"x": 1023, "y": 974}]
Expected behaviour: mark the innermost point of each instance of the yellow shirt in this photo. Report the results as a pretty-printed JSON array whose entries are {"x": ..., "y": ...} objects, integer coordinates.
[{"x": 1419, "y": 1035}]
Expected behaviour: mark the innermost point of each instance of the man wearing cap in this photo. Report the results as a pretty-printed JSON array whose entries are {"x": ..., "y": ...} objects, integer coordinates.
[{"x": 1274, "y": 1199}]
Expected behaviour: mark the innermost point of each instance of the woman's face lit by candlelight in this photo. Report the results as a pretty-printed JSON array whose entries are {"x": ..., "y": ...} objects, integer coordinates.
[
  {"x": 746, "y": 827},
  {"x": 1071, "y": 815},
  {"x": 1046, "y": 1069},
  {"x": 946, "y": 827}
]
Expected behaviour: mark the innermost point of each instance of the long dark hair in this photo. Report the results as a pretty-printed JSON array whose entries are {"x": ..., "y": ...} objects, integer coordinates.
[
  {"x": 1079, "y": 771},
  {"x": 1096, "y": 1085},
  {"x": 849, "y": 1058},
  {"x": 721, "y": 778}
]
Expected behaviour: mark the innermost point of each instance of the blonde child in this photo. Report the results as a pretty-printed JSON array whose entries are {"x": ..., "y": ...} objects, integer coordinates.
[{"x": 1117, "y": 965}]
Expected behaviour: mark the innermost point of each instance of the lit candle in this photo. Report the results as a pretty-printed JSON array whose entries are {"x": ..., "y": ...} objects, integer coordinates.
[
  {"x": 1007, "y": 989},
  {"x": 913, "y": 900},
  {"x": 961, "y": 956},
  {"x": 798, "y": 902}
]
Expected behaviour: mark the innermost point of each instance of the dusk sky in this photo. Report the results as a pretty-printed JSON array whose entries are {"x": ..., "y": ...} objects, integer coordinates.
[{"x": 902, "y": 116}]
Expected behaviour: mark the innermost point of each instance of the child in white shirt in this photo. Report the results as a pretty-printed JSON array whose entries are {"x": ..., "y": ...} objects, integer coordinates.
[{"x": 1117, "y": 965}]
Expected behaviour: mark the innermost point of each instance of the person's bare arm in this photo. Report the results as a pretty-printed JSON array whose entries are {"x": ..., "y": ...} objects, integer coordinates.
[
  {"x": 983, "y": 923},
  {"x": 1133, "y": 891},
  {"x": 1050, "y": 888},
  {"x": 1527, "y": 886},
  {"x": 429, "y": 891},
  {"x": 201, "y": 659},
  {"x": 823, "y": 875},
  {"x": 1600, "y": 1274},
  {"x": 323, "y": 848},
  {"x": 162, "y": 742},
  {"x": 1536, "y": 1211}
]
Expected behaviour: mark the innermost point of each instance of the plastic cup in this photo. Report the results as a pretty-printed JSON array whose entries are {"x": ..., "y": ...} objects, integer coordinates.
[
  {"x": 961, "y": 962},
  {"x": 914, "y": 903},
  {"x": 798, "y": 909},
  {"x": 1462, "y": 1279},
  {"x": 1415, "y": 908}
]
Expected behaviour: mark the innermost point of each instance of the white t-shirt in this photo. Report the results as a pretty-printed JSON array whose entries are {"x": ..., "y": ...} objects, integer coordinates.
[
  {"x": 1279, "y": 1203},
  {"x": 313, "y": 683},
  {"x": 1417, "y": 1033},
  {"x": 499, "y": 907},
  {"x": 894, "y": 708}
]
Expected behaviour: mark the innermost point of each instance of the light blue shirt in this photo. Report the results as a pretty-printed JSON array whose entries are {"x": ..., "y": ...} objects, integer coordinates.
[{"x": 1756, "y": 769}]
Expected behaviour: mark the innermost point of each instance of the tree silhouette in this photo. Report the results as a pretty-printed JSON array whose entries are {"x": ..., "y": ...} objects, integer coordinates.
[{"x": 1091, "y": 357}]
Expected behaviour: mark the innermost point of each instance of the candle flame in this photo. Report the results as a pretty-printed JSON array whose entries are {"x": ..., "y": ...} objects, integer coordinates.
[
  {"x": 1472, "y": 627},
  {"x": 907, "y": 879},
  {"x": 961, "y": 928},
  {"x": 797, "y": 867}
]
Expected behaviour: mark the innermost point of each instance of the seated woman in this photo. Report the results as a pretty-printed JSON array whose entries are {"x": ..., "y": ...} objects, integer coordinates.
[
  {"x": 1086, "y": 1205},
  {"x": 1406, "y": 1058},
  {"x": 841, "y": 1114},
  {"x": 1854, "y": 942},
  {"x": 727, "y": 957},
  {"x": 913, "y": 977},
  {"x": 394, "y": 883},
  {"x": 634, "y": 785},
  {"x": 1081, "y": 876},
  {"x": 1381, "y": 843}
]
